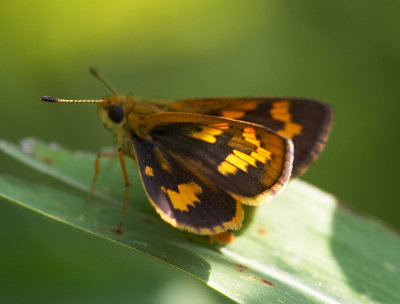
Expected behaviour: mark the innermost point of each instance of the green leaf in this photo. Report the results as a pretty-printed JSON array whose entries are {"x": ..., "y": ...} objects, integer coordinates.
[{"x": 300, "y": 248}]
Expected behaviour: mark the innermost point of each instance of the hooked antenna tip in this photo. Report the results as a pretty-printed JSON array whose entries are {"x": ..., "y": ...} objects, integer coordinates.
[{"x": 48, "y": 99}]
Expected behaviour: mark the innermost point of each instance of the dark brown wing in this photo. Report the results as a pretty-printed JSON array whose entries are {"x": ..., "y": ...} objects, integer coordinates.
[
  {"x": 306, "y": 122},
  {"x": 197, "y": 169}
]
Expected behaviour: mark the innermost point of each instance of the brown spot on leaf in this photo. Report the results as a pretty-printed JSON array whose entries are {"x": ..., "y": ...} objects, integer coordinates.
[
  {"x": 261, "y": 231},
  {"x": 241, "y": 268},
  {"x": 264, "y": 281}
]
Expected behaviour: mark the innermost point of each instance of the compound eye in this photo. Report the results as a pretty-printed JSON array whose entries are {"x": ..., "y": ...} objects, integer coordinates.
[{"x": 116, "y": 113}]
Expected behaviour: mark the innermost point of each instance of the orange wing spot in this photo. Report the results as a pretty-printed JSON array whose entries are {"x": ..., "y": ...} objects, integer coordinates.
[
  {"x": 258, "y": 157},
  {"x": 255, "y": 142},
  {"x": 222, "y": 126},
  {"x": 280, "y": 106},
  {"x": 280, "y": 111},
  {"x": 249, "y": 135},
  {"x": 237, "y": 162},
  {"x": 293, "y": 128},
  {"x": 285, "y": 133},
  {"x": 232, "y": 114},
  {"x": 212, "y": 131},
  {"x": 264, "y": 152},
  {"x": 250, "y": 105},
  {"x": 226, "y": 168},
  {"x": 186, "y": 196},
  {"x": 205, "y": 137},
  {"x": 207, "y": 134},
  {"x": 149, "y": 171},
  {"x": 245, "y": 157},
  {"x": 239, "y": 110},
  {"x": 249, "y": 130}
]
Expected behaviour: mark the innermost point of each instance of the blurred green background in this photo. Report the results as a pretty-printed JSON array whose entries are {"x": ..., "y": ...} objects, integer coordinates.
[{"x": 345, "y": 53}]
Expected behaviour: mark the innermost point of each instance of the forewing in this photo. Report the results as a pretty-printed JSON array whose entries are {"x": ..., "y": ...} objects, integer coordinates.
[
  {"x": 306, "y": 122},
  {"x": 248, "y": 161}
]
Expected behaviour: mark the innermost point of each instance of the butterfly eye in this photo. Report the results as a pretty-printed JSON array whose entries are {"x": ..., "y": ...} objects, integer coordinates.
[{"x": 116, "y": 113}]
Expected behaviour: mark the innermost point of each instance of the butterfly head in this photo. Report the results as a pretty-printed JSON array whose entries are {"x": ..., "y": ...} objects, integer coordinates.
[{"x": 112, "y": 111}]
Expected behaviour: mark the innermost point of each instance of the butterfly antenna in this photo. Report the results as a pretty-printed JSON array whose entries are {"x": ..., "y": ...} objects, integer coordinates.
[
  {"x": 54, "y": 99},
  {"x": 100, "y": 77}
]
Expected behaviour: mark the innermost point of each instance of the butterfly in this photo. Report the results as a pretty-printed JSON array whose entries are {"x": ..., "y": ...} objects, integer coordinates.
[{"x": 201, "y": 159}]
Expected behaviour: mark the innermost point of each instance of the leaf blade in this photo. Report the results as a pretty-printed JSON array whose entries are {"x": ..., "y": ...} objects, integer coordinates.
[{"x": 289, "y": 252}]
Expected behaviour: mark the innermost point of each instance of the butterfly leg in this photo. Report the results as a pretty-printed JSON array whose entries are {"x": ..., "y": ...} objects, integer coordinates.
[
  {"x": 121, "y": 153},
  {"x": 127, "y": 184},
  {"x": 97, "y": 170}
]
